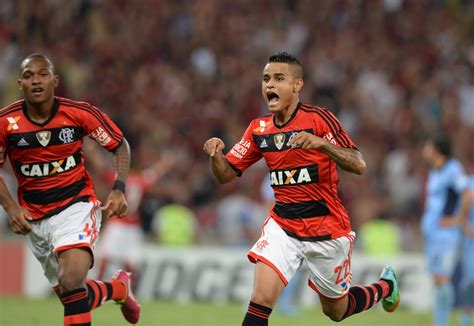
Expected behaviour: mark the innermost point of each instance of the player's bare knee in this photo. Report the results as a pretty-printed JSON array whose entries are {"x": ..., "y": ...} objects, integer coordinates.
[
  {"x": 333, "y": 314},
  {"x": 263, "y": 299},
  {"x": 70, "y": 281}
]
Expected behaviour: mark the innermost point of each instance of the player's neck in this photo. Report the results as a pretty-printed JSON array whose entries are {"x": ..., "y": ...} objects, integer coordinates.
[
  {"x": 440, "y": 162},
  {"x": 40, "y": 112},
  {"x": 284, "y": 115}
]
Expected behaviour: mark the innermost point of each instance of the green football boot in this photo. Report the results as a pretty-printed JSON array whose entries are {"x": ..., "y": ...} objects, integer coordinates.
[{"x": 390, "y": 303}]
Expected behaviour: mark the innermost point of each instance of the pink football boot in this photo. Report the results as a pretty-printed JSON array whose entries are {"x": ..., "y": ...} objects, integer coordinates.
[{"x": 129, "y": 306}]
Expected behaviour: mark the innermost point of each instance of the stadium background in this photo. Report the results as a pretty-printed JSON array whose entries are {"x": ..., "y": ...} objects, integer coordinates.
[{"x": 174, "y": 73}]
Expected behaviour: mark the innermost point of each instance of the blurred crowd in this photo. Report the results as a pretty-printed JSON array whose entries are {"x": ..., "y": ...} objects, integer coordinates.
[{"x": 175, "y": 73}]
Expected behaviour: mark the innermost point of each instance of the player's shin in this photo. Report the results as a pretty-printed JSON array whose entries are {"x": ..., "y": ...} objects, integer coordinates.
[
  {"x": 362, "y": 298},
  {"x": 443, "y": 303},
  {"x": 76, "y": 308},
  {"x": 257, "y": 315},
  {"x": 99, "y": 292}
]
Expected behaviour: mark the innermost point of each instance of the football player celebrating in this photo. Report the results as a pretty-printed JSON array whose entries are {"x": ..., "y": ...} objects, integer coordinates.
[{"x": 302, "y": 145}]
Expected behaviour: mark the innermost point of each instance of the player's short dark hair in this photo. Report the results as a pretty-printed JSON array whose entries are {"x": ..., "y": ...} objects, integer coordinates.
[
  {"x": 37, "y": 56},
  {"x": 285, "y": 57},
  {"x": 442, "y": 143}
]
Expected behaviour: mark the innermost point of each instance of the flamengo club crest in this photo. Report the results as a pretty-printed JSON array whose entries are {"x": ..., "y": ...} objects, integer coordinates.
[
  {"x": 279, "y": 140},
  {"x": 66, "y": 135},
  {"x": 43, "y": 137}
]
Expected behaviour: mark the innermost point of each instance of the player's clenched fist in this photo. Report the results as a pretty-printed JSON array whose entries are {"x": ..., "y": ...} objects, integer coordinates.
[
  {"x": 18, "y": 220},
  {"x": 307, "y": 141},
  {"x": 213, "y": 146},
  {"x": 116, "y": 204}
]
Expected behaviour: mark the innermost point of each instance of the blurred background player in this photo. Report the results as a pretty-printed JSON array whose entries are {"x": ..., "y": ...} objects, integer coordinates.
[
  {"x": 174, "y": 225},
  {"x": 58, "y": 211},
  {"x": 301, "y": 145},
  {"x": 439, "y": 226},
  {"x": 121, "y": 242},
  {"x": 466, "y": 218}
]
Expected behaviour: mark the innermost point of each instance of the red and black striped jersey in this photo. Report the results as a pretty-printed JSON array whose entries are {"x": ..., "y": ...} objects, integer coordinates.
[
  {"x": 47, "y": 157},
  {"x": 305, "y": 182}
]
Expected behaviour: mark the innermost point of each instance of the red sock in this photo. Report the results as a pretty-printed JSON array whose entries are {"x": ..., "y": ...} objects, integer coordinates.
[
  {"x": 364, "y": 297},
  {"x": 76, "y": 308},
  {"x": 99, "y": 292}
]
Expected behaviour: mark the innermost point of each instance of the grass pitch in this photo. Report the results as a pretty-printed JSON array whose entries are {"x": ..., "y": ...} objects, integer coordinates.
[{"x": 25, "y": 312}]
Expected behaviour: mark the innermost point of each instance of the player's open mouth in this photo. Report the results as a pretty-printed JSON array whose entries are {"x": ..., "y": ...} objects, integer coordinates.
[
  {"x": 272, "y": 97},
  {"x": 37, "y": 90}
]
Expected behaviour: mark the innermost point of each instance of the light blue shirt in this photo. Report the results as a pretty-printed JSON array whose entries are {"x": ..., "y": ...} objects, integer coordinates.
[
  {"x": 444, "y": 188},
  {"x": 470, "y": 185}
]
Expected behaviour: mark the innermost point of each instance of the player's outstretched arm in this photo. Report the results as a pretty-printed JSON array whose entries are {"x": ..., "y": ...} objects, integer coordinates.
[
  {"x": 116, "y": 205},
  {"x": 16, "y": 214},
  {"x": 348, "y": 159},
  {"x": 221, "y": 168}
]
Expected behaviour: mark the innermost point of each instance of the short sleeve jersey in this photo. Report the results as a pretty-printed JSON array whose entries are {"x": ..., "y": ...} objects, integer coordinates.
[
  {"x": 443, "y": 191},
  {"x": 47, "y": 157},
  {"x": 305, "y": 182}
]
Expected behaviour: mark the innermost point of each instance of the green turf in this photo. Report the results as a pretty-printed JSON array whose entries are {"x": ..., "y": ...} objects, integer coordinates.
[{"x": 20, "y": 311}]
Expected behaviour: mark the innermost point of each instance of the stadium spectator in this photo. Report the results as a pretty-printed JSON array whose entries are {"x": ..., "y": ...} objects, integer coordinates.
[
  {"x": 380, "y": 237},
  {"x": 239, "y": 219},
  {"x": 301, "y": 145},
  {"x": 150, "y": 56},
  {"x": 439, "y": 226},
  {"x": 175, "y": 225},
  {"x": 57, "y": 208}
]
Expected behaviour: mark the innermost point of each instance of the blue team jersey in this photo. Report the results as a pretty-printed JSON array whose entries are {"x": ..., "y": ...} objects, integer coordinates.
[
  {"x": 444, "y": 188},
  {"x": 468, "y": 248},
  {"x": 470, "y": 185}
]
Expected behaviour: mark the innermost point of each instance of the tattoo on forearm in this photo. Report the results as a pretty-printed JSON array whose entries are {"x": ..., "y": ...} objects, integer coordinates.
[
  {"x": 122, "y": 161},
  {"x": 222, "y": 169},
  {"x": 347, "y": 158}
]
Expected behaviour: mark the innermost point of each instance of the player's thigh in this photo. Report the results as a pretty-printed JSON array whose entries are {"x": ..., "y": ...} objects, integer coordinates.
[
  {"x": 277, "y": 250},
  {"x": 74, "y": 265},
  {"x": 441, "y": 260},
  {"x": 42, "y": 249},
  {"x": 76, "y": 227},
  {"x": 267, "y": 285},
  {"x": 329, "y": 264}
]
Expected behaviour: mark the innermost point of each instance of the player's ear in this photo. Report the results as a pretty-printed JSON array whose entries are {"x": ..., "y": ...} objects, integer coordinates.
[
  {"x": 298, "y": 85},
  {"x": 19, "y": 83},
  {"x": 56, "y": 81}
]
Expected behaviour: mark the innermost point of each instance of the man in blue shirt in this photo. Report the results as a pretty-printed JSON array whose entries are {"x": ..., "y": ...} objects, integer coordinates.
[
  {"x": 466, "y": 219},
  {"x": 439, "y": 226}
]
